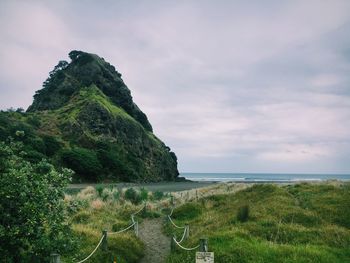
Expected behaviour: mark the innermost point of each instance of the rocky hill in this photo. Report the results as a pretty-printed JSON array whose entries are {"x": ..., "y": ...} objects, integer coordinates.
[{"x": 84, "y": 118}]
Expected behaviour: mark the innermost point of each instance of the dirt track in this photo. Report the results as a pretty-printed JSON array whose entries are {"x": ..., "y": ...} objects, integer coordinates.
[{"x": 157, "y": 245}]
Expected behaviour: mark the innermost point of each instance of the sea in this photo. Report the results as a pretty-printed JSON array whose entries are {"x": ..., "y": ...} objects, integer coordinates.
[{"x": 262, "y": 177}]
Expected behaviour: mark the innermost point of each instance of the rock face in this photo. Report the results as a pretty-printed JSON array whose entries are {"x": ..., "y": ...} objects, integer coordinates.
[
  {"x": 88, "y": 110},
  {"x": 85, "y": 70}
]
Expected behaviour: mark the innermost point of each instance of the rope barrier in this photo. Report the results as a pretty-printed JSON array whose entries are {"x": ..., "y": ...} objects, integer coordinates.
[
  {"x": 99, "y": 243},
  {"x": 185, "y": 248},
  {"x": 183, "y": 236},
  {"x": 171, "y": 213},
  {"x": 139, "y": 210},
  {"x": 120, "y": 231},
  {"x": 181, "y": 227},
  {"x": 117, "y": 232}
]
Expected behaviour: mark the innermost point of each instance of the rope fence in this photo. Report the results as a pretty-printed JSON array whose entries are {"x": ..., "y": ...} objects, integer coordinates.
[
  {"x": 123, "y": 230},
  {"x": 93, "y": 252},
  {"x": 55, "y": 258},
  {"x": 183, "y": 235},
  {"x": 185, "y": 248},
  {"x": 180, "y": 227},
  {"x": 203, "y": 243}
]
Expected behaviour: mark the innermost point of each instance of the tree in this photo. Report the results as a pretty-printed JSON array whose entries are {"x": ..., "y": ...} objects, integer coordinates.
[{"x": 31, "y": 207}]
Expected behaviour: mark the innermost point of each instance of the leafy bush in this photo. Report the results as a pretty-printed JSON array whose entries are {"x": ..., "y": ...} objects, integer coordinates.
[
  {"x": 31, "y": 207},
  {"x": 99, "y": 189},
  {"x": 83, "y": 161},
  {"x": 52, "y": 145},
  {"x": 143, "y": 194},
  {"x": 243, "y": 213},
  {"x": 132, "y": 196},
  {"x": 157, "y": 195},
  {"x": 116, "y": 195}
]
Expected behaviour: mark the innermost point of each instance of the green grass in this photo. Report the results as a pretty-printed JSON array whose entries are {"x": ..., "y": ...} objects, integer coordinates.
[
  {"x": 298, "y": 223},
  {"x": 89, "y": 215}
]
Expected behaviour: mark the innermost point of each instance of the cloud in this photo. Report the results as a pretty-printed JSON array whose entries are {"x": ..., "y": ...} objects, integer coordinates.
[{"x": 236, "y": 86}]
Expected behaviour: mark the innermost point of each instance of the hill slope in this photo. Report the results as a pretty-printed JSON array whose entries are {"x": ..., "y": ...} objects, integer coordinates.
[{"x": 85, "y": 119}]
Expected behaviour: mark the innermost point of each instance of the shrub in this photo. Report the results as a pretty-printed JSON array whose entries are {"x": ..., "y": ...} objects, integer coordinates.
[
  {"x": 157, "y": 195},
  {"x": 132, "y": 196},
  {"x": 52, "y": 145},
  {"x": 99, "y": 189},
  {"x": 106, "y": 193},
  {"x": 143, "y": 194},
  {"x": 83, "y": 161},
  {"x": 31, "y": 207},
  {"x": 243, "y": 213},
  {"x": 116, "y": 195}
]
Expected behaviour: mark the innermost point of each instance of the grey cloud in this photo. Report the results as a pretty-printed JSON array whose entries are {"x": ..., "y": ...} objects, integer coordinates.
[{"x": 234, "y": 86}]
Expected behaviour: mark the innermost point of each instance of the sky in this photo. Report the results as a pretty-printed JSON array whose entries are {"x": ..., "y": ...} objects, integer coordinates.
[{"x": 230, "y": 86}]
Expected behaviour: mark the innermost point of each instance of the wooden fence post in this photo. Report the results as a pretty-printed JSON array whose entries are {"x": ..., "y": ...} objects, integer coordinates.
[
  {"x": 172, "y": 243},
  {"x": 136, "y": 228},
  {"x": 144, "y": 210},
  {"x": 104, "y": 241},
  {"x": 203, "y": 245},
  {"x": 187, "y": 231},
  {"x": 55, "y": 258}
]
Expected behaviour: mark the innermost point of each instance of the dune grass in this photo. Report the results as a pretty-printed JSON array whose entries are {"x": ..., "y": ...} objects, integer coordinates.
[
  {"x": 90, "y": 212},
  {"x": 295, "y": 223}
]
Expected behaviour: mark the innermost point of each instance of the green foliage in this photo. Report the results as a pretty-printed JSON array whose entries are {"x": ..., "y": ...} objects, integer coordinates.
[
  {"x": 52, "y": 145},
  {"x": 158, "y": 195},
  {"x": 143, "y": 194},
  {"x": 116, "y": 195},
  {"x": 31, "y": 207},
  {"x": 132, "y": 196},
  {"x": 83, "y": 161},
  {"x": 243, "y": 213},
  {"x": 99, "y": 189}
]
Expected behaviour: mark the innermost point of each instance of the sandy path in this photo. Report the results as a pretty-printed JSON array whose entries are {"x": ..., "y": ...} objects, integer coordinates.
[{"x": 157, "y": 245}]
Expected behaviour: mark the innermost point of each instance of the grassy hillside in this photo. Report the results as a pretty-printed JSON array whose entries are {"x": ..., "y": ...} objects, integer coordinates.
[{"x": 297, "y": 223}]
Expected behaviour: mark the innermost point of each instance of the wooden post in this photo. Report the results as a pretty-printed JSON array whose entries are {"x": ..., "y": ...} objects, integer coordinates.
[
  {"x": 136, "y": 228},
  {"x": 55, "y": 258},
  {"x": 196, "y": 195},
  {"x": 203, "y": 245},
  {"x": 187, "y": 235},
  {"x": 172, "y": 200},
  {"x": 104, "y": 241},
  {"x": 144, "y": 210},
  {"x": 172, "y": 243}
]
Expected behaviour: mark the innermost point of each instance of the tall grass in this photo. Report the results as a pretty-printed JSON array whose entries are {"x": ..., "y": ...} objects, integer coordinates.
[
  {"x": 296, "y": 223},
  {"x": 94, "y": 209}
]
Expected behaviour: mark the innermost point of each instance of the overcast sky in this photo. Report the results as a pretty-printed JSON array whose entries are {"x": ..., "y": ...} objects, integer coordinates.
[{"x": 230, "y": 86}]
